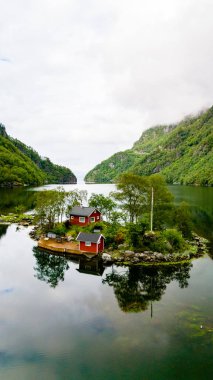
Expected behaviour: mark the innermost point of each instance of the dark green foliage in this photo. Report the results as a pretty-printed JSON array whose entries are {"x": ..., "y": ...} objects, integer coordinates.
[
  {"x": 59, "y": 229},
  {"x": 114, "y": 236},
  {"x": 183, "y": 153},
  {"x": 108, "y": 170},
  {"x": 135, "y": 234},
  {"x": 21, "y": 165},
  {"x": 54, "y": 173},
  {"x": 183, "y": 219},
  {"x": 175, "y": 239},
  {"x": 16, "y": 168}
]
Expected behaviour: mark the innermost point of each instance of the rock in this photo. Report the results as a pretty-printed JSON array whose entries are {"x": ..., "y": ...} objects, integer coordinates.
[
  {"x": 159, "y": 256},
  {"x": 129, "y": 253},
  {"x": 135, "y": 260},
  {"x": 106, "y": 257}
]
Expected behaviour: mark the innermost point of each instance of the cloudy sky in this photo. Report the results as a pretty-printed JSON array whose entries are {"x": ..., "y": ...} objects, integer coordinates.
[{"x": 81, "y": 79}]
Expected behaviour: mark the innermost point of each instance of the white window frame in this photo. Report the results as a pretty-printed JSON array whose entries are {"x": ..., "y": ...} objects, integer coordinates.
[
  {"x": 92, "y": 219},
  {"x": 81, "y": 219},
  {"x": 88, "y": 243},
  {"x": 98, "y": 217},
  {"x": 72, "y": 217}
]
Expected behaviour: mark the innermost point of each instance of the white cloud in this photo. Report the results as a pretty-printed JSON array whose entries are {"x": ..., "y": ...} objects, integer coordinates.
[{"x": 81, "y": 79}]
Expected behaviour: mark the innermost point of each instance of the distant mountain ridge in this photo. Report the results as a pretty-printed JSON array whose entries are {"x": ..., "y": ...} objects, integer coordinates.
[
  {"x": 182, "y": 152},
  {"x": 22, "y": 165}
]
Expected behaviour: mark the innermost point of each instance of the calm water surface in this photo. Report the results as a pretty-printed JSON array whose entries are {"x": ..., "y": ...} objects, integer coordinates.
[{"x": 63, "y": 319}]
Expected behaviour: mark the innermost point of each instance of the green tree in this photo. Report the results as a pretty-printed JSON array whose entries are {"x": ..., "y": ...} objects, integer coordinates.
[
  {"x": 132, "y": 194},
  {"x": 75, "y": 198},
  {"x": 47, "y": 208},
  {"x": 135, "y": 234},
  {"x": 104, "y": 204}
]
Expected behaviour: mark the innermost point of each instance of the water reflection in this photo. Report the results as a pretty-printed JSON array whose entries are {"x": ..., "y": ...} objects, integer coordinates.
[
  {"x": 50, "y": 268},
  {"x": 3, "y": 230},
  {"x": 137, "y": 286},
  {"x": 92, "y": 266},
  {"x": 200, "y": 200},
  {"x": 16, "y": 200}
]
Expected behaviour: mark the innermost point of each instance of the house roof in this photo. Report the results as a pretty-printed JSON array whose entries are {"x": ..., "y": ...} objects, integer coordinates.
[
  {"x": 84, "y": 236},
  {"x": 82, "y": 211}
]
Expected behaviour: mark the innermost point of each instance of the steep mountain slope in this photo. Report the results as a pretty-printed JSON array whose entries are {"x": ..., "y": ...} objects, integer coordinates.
[
  {"x": 21, "y": 165},
  {"x": 183, "y": 153},
  {"x": 108, "y": 170}
]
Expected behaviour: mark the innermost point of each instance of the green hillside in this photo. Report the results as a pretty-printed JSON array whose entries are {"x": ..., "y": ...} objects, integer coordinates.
[
  {"x": 182, "y": 152},
  {"x": 21, "y": 165},
  {"x": 108, "y": 170}
]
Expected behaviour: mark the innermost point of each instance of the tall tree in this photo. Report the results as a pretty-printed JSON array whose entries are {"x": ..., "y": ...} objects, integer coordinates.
[
  {"x": 75, "y": 198},
  {"x": 104, "y": 204},
  {"x": 132, "y": 194},
  {"x": 47, "y": 208}
]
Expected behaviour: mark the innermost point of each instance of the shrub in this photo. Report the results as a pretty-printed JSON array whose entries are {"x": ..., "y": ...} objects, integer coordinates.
[{"x": 174, "y": 238}]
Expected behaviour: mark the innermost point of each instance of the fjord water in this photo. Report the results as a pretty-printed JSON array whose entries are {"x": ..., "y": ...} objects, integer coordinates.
[{"x": 62, "y": 319}]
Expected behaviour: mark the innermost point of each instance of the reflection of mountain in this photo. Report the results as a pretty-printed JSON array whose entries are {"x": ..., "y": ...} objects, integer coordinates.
[
  {"x": 50, "y": 268},
  {"x": 203, "y": 222},
  {"x": 13, "y": 199},
  {"x": 137, "y": 286},
  {"x": 3, "y": 229},
  {"x": 200, "y": 200}
]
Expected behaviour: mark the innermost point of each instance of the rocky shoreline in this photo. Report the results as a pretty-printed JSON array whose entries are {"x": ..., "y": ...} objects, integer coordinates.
[
  {"x": 122, "y": 256},
  {"x": 149, "y": 257}
]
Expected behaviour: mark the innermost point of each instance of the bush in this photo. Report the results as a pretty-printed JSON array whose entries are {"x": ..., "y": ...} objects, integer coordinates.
[
  {"x": 59, "y": 229},
  {"x": 174, "y": 238}
]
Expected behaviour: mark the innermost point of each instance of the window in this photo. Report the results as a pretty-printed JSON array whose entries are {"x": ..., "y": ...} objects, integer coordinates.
[
  {"x": 92, "y": 219},
  {"x": 88, "y": 243},
  {"x": 97, "y": 217},
  {"x": 81, "y": 219},
  {"x": 72, "y": 217}
]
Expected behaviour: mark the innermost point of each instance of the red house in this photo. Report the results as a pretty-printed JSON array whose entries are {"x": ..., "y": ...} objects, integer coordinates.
[
  {"x": 93, "y": 243},
  {"x": 83, "y": 216}
]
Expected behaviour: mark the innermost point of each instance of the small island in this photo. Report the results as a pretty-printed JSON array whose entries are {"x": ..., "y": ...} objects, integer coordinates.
[{"x": 139, "y": 223}]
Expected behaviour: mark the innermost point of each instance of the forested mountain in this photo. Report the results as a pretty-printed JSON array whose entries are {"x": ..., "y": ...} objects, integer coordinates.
[
  {"x": 20, "y": 164},
  {"x": 182, "y": 152}
]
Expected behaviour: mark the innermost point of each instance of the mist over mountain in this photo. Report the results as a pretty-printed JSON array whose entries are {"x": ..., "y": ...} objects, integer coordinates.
[{"x": 182, "y": 152}]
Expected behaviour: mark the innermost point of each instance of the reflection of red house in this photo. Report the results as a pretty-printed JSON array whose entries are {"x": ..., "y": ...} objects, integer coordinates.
[
  {"x": 84, "y": 215},
  {"x": 93, "y": 243}
]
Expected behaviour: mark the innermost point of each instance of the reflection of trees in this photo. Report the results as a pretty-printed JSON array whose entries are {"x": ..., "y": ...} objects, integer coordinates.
[
  {"x": 139, "y": 285},
  {"x": 19, "y": 198},
  {"x": 49, "y": 268},
  {"x": 3, "y": 229},
  {"x": 202, "y": 222}
]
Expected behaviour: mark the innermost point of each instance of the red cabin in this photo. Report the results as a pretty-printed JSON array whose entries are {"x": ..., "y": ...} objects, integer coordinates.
[
  {"x": 82, "y": 216},
  {"x": 93, "y": 243}
]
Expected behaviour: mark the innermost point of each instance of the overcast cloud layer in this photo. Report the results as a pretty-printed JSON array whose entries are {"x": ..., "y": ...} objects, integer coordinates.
[{"x": 81, "y": 79}]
